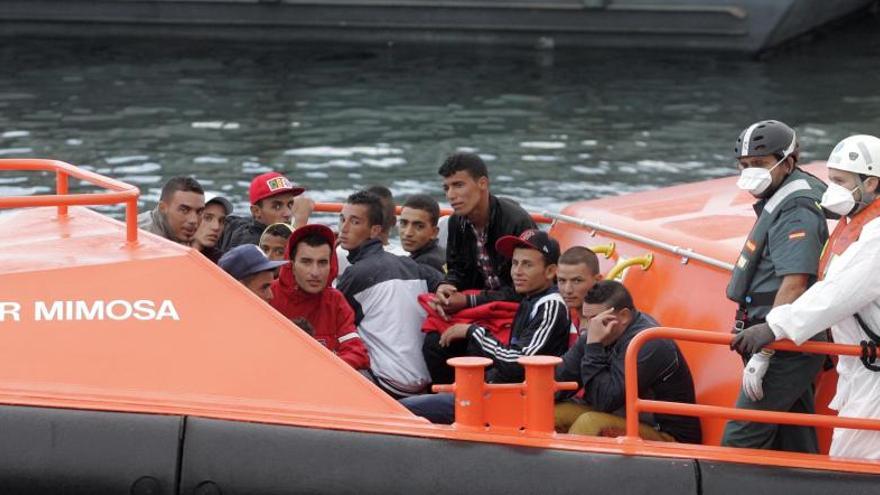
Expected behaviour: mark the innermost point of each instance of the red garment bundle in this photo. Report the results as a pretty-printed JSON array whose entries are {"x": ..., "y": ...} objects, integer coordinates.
[{"x": 496, "y": 317}]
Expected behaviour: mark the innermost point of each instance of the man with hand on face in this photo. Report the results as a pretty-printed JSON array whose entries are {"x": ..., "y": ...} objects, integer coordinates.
[
  {"x": 274, "y": 199},
  {"x": 541, "y": 325},
  {"x": 596, "y": 363},
  {"x": 302, "y": 291},
  {"x": 578, "y": 272},
  {"x": 778, "y": 262},
  {"x": 248, "y": 265},
  {"x": 217, "y": 208},
  {"x": 418, "y": 231},
  {"x": 178, "y": 213},
  {"x": 847, "y": 298},
  {"x": 383, "y": 291}
]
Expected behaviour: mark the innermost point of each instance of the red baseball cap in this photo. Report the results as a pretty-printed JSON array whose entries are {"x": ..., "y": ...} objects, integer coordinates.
[{"x": 270, "y": 184}]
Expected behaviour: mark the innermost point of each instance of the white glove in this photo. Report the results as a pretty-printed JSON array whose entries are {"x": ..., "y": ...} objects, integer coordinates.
[{"x": 753, "y": 376}]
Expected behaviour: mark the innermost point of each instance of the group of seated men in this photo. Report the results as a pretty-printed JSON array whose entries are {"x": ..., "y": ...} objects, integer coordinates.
[{"x": 501, "y": 289}]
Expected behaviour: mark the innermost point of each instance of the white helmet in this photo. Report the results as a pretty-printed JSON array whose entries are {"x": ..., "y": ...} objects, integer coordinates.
[{"x": 859, "y": 154}]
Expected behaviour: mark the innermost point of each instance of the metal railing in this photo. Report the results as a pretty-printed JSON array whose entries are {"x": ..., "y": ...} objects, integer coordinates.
[
  {"x": 120, "y": 191},
  {"x": 634, "y": 405},
  {"x": 685, "y": 253}
]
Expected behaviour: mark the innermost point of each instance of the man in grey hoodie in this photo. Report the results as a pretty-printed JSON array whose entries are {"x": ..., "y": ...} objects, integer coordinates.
[{"x": 178, "y": 213}]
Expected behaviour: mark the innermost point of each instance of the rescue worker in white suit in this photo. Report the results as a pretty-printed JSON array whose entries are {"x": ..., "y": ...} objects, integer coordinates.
[{"x": 846, "y": 299}]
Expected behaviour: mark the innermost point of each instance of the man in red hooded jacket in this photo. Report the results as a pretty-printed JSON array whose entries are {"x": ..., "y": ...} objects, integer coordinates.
[{"x": 302, "y": 292}]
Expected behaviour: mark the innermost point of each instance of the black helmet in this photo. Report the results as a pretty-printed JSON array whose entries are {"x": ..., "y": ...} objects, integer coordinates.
[{"x": 768, "y": 137}]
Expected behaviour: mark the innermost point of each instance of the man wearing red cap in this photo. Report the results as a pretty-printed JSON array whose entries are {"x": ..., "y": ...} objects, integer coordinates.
[
  {"x": 302, "y": 291},
  {"x": 272, "y": 198}
]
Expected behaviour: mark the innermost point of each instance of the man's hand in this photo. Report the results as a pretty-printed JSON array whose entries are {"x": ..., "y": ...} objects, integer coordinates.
[
  {"x": 444, "y": 292},
  {"x": 600, "y": 327},
  {"x": 448, "y": 301},
  {"x": 753, "y": 376},
  {"x": 752, "y": 339},
  {"x": 453, "y": 333},
  {"x": 303, "y": 207}
]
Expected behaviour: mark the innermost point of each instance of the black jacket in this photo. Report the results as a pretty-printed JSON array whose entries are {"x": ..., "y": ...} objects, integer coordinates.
[
  {"x": 541, "y": 326},
  {"x": 506, "y": 217},
  {"x": 240, "y": 230},
  {"x": 663, "y": 375},
  {"x": 432, "y": 255}
]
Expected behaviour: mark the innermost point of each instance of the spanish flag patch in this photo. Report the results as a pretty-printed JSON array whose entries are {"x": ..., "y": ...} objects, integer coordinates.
[
  {"x": 750, "y": 246},
  {"x": 798, "y": 234}
]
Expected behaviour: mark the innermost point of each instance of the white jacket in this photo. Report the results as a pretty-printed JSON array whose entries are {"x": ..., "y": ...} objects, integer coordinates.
[{"x": 850, "y": 286}]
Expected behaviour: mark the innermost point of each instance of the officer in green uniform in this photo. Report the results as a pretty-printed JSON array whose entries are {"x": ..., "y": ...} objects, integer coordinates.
[{"x": 778, "y": 262}]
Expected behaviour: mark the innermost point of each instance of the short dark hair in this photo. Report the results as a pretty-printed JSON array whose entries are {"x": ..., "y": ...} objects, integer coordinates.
[
  {"x": 610, "y": 293},
  {"x": 180, "y": 183},
  {"x": 579, "y": 255},
  {"x": 469, "y": 162},
  {"x": 425, "y": 203},
  {"x": 313, "y": 240},
  {"x": 375, "y": 216},
  {"x": 387, "y": 199},
  {"x": 278, "y": 229}
]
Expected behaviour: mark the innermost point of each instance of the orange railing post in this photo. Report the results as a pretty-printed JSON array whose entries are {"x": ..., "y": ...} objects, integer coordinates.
[
  {"x": 468, "y": 388},
  {"x": 120, "y": 192},
  {"x": 634, "y": 405},
  {"x": 540, "y": 387}
]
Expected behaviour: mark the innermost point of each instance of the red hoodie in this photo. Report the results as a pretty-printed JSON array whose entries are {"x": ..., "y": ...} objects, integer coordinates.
[{"x": 328, "y": 312}]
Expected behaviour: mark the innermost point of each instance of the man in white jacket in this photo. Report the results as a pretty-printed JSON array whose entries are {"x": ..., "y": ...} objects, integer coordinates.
[{"x": 847, "y": 299}]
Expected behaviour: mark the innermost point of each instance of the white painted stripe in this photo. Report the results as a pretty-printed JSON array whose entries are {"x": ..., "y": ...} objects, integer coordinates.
[
  {"x": 348, "y": 337},
  {"x": 747, "y": 136},
  {"x": 784, "y": 192}
]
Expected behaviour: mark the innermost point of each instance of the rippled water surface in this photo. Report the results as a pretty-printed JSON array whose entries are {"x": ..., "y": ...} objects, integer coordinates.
[{"x": 555, "y": 127}]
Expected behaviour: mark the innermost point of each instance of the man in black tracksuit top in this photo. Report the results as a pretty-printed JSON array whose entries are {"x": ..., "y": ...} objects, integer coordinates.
[
  {"x": 541, "y": 325},
  {"x": 596, "y": 363},
  {"x": 472, "y": 260}
]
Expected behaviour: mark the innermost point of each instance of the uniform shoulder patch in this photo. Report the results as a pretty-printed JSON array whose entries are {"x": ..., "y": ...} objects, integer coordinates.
[{"x": 797, "y": 234}]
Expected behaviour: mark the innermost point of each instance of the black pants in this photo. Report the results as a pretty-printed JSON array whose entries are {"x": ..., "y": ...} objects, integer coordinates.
[{"x": 436, "y": 356}]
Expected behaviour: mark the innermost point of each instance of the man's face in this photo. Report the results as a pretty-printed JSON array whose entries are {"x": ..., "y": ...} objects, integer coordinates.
[
  {"x": 416, "y": 229},
  {"x": 274, "y": 209},
  {"x": 354, "y": 226},
  {"x": 261, "y": 284},
  {"x": 211, "y": 227},
  {"x": 183, "y": 212},
  {"x": 574, "y": 282},
  {"x": 273, "y": 246},
  {"x": 529, "y": 272},
  {"x": 624, "y": 318},
  {"x": 464, "y": 192},
  {"x": 311, "y": 267},
  {"x": 778, "y": 173}
]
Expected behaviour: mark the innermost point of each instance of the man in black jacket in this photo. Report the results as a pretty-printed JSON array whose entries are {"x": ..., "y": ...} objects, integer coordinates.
[
  {"x": 596, "y": 363},
  {"x": 472, "y": 260},
  {"x": 418, "y": 231},
  {"x": 479, "y": 220},
  {"x": 541, "y": 325}
]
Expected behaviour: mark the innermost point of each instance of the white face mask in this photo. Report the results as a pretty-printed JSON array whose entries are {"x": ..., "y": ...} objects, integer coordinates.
[
  {"x": 756, "y": 180},
  {"x": 838, "y": 199}
]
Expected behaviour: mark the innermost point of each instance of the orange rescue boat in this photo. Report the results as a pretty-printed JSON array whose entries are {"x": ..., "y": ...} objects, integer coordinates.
[{"x": 132, "y": 364}]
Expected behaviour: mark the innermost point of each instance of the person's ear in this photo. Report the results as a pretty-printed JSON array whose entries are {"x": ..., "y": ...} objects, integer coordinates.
[
  {"x": 483, "y": 183},
  {"x": 256, "y": 211},
  {"x": 163, "y": 207},
  {"x": 872, "y": 183},
  {"x": 550, "y": 271},
  {"x": 375, "y": 231},
  {"x": 435, "y": 232}
]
